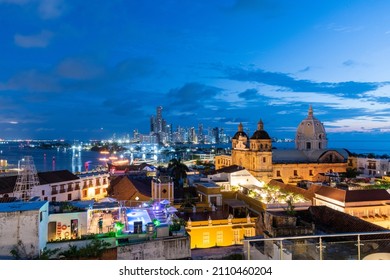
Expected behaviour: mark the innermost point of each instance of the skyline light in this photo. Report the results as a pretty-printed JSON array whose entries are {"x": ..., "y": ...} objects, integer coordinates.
[{"x": 77, "y": 70}]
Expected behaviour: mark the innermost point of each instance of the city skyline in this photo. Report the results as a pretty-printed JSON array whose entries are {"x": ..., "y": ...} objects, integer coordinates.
[{"x": 89, "y": 70}]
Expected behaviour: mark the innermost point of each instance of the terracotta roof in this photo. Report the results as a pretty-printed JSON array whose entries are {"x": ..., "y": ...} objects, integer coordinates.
[
  {"x": 52, "y": 177},
  {"x": 333, "y": 193},
  {"x": 143, "y": 185},
  {"x": 333, "y": 221},
  {"x": 353, "y": 196},
  {"x": 7, "y": 183},
  {"x": 367, "y": 195}
]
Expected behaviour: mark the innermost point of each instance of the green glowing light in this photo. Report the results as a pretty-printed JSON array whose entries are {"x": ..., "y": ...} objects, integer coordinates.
[{"x": 156, "y": 222}]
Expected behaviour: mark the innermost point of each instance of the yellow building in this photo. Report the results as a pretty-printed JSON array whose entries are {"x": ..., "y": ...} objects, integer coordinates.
[
  {"x": 227, "y": 232},
  {"x": 310, "y": 159}
]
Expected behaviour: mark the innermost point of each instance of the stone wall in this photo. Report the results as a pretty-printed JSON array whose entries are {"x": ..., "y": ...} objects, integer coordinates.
[
  {"x": 159, "y": 249},
  {"x": 19, "y": 226}
]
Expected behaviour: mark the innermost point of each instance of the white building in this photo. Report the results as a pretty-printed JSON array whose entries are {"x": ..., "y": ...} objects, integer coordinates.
[
  {"x": 24, "y": 222},
  {"x": 62, "y": 185},
  {"x": 373, "y": 167},
  {"x": 234, "y": 176}
]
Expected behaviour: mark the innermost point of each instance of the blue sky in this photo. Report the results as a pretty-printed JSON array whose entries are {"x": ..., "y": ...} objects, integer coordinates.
[{"x": 88, "y": 69}]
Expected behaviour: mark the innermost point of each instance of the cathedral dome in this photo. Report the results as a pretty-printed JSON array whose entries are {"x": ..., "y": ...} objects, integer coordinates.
[
  {"x": 260, "y": 133},
  {"x": 310, "y": 134},
  {"x": 240, "y": 133}
]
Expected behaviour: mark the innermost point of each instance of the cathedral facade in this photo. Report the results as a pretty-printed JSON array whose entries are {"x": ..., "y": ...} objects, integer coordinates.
[{"x": 310, "y": 160}]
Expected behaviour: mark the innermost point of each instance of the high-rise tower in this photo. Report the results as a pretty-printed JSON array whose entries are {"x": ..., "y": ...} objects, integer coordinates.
[{"x": 159, "y": 119}]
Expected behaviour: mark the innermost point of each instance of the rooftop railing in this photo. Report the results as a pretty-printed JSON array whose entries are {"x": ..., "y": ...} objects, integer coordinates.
[{"x": 342, "y": 246}]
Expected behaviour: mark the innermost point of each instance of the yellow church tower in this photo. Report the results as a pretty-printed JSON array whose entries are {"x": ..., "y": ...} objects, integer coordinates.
[{"x": 255, "y": 156}]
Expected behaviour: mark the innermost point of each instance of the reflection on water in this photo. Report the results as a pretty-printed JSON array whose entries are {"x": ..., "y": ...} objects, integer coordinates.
[{"x": 76, "y": 159}]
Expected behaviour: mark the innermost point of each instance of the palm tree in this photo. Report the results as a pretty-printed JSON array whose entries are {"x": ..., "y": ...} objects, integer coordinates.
[{"x": 178, "y": 170}]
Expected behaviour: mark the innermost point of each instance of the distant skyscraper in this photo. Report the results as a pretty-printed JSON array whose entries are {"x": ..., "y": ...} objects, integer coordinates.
[
  {"x": 192, "y": 135},
  {"x": 153, "y": 126},
  {"x": 159, "y": 119},
  {"x": 200, "y": 134},
  {"x": 216, "y": 135}
]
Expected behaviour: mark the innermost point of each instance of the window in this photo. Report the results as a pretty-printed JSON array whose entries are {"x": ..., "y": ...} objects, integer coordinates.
[
  {"x": 69, "y": 196},
  {"x": 310, "y": 172},
  {"x": 206, "y": 238},
  {"x": 278, "y": 173},
  {"x": 40, "y": 216},
  {"x": 248, "y": 232},
  {"x": 43, "y": 192},
  {"x": 264, "y": 159},
  {"x": 308, "y": 145},
  {"x": 319, "y": 146},
  {"x": 53, "y": 198},
  {"x": 219, "y": 237},
  {"x": 236, "y": 236},
  {"x": 97, "y": 191},
  {"x": 295, "y": 172}
]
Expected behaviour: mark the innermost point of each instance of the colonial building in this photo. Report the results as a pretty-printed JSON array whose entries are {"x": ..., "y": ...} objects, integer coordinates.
[
  {"x": 310, "y": 159},
  {"x": 62, "y": 185},
  {"x": 370, "y": 205},
  {"x": 141, "y": 189}
]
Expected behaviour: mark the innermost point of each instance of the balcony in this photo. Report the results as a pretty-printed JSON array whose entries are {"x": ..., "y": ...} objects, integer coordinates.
[{"x": 353, "y": 246}]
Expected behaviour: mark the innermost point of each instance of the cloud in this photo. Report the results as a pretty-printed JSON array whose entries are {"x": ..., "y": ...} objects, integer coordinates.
[
  {"x": 122, "y": 106},
  {"x": 46, "y": 9},
  {"x": 286, "y": 81},
  {"x": 193, "y": 95},
  {"x": 31, "y": 81},
  {"x": 341, "y": 28},
  {"x": 349, "y": 63},
  {"x": 40, "y": 40},
  {"x": 359, "y": 124},
  {"x": 249, "y": 94},
  {"x": 17, "y": 2},
  {"x": 79, "y": 69},
  {"x": 50, "y": 9},
  {"x": 133, "y": 67},
  {"x": 306, "y": 69}
]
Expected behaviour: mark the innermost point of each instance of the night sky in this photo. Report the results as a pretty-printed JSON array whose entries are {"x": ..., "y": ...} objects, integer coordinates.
[{"x": 89, "y": 69}]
